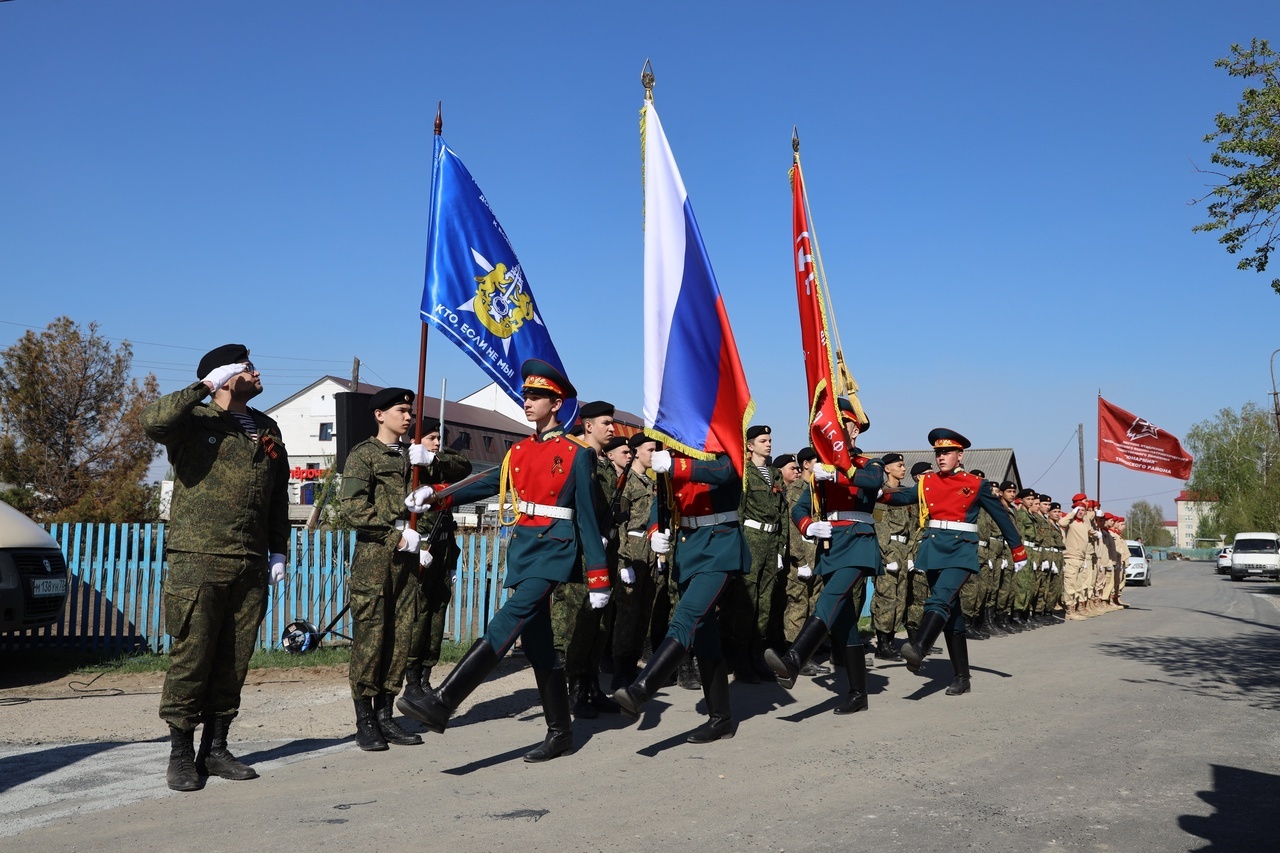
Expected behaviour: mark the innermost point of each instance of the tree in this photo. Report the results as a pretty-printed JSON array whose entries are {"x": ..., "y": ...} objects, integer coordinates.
[
  {"x": 1235, "y": 453},
  {"x": 72, "y": 440},
  {"x": 1145, "y": 521},
  {"x": 1244, "y": 206}
]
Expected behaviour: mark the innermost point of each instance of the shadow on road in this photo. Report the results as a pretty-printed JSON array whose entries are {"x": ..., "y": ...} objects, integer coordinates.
[
  {"x": 1239, "y": 668},
  {"x": 293, "y": 747},
  {"x": 1244, "y": 816},
  {"x": 17, "y": 770}
]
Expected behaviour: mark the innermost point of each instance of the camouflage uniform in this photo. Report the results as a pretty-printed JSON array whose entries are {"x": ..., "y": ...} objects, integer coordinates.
[
  {"x": 634, "y": 602},
  {"x": 230, "y": 511},
  {"x": 1025, "y": 580},
  {"x": 384, "y": 608},
  {"x": 919, "y": 591},
  {"x": 802, "y": 593},
  {"x": 1002, "y": 561},
  {"x": 435, "y": 589},
  {"x": 889, "y": 601},
  {"x": 579, "y": 630},
  {"x": 1056, "y": 559},
  {"x": 752, "y": 605},
  {"x": 1044, "y": 574}
]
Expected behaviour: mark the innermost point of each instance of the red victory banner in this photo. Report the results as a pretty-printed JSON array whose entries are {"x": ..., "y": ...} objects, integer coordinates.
[
  {"x": 1131, "y": 441},
  {"x": 825, "y": 430}
]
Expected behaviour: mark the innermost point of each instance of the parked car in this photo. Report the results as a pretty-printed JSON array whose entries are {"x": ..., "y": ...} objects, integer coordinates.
[
  {"x": 1138, "y": 571},
  {"x": 1224, "y": 560},
  {"x": 33, "y": 574},
  {"x": 1255, "y": 555}
]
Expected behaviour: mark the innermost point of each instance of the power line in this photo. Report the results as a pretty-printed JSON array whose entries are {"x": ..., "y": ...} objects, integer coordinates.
[{"x": 1056, "y": 458}]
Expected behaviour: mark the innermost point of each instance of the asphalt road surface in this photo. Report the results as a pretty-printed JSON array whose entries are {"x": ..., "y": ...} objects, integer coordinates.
[{"x": 1151, "y": 729}]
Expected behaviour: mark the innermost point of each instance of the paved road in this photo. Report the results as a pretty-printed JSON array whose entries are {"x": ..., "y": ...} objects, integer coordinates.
[{"x": 1152, "y": 729}]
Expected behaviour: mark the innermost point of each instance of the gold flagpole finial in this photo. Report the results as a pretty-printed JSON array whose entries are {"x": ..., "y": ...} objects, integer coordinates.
[
  {"x": 647, "y": 80},
  {"x": 795, "y": 140}
]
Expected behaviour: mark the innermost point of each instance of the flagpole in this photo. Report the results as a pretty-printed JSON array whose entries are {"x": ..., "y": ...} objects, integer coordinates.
[
  {"x": 422, "y": 366},
  {"x": 1099, "y": 457}
]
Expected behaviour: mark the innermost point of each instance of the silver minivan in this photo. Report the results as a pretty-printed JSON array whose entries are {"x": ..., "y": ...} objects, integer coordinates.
[{"x": 33, "y": 574}]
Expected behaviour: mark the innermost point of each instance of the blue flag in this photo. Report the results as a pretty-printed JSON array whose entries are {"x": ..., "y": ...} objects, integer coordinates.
[{"x": 475, "y": 290}]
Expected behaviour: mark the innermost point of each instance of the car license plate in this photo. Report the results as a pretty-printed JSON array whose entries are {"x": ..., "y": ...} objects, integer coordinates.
[
  {"x": 1255, "y": 571},
  {"x": 49, "y": 586}
]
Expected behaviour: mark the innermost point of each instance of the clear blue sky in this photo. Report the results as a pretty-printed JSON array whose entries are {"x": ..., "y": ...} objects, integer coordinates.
[{"x": 1000, "y": 191}]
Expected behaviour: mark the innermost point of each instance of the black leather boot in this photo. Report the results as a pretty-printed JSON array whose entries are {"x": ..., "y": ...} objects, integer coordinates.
[
  {"x": 992, "y": 623},
  {"x": 390, "y": 729},
  {"x": 914, "y": 652},
  {"x": 715, "y": 688},
  {"x": 884, "y": 647},
  {"x": 368, "y": 735},
  {"x": 855, "y": 667},
  {"x": 787, "y": 666},
  {"x": 687, "y": 675},
  {"x": 597, "y": 697},
  {"x": 624, "y": 670},
  {"x": 434, "y": 710},
  {"x": 761, "y": 667},
  {"x": 213, "y": 758},
  {"x": 555, "y": 709},
  {"x": 974, "y": 628},
  {"x": 958, "y": 650},
  {"x": 664, "y": 661},
  {"x": 582, "y": 707},
  {"x": 181, "y": 774},
  {"x": 415, "y": 685}
]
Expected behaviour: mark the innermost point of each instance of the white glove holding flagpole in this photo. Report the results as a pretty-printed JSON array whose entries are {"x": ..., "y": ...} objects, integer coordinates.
[
  {"x": 822, "y": 472},
  {"x": 819, "y": 530},
  {"x": 661, "y": 461},
  {"x": 409, "y": 540},
  {"x": 660, "y": 541},
  {"x": 420, "y": 499},
  {"x": 276, "y": 568}
]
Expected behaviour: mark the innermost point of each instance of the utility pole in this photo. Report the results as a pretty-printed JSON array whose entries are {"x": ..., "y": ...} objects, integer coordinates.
[
  {"x": 1275, "y": 397},
  {"x": 355, "y": 375}
]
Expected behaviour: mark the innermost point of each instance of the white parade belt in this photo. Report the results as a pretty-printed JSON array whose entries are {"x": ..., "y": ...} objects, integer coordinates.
[
  {"x": 693, "y": 522},
  {"x": 850, "y": 515},
  {"x": 896, "y": 538},
  {"x": 639, "y": 534},
  {"x": 544, "y": 510},
  {"x": 954, "y": 525},
  {"x": 760, "y": 525}
]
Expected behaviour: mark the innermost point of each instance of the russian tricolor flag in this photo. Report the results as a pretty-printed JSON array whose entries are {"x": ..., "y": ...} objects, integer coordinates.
[{"x": 696, "y": 398}]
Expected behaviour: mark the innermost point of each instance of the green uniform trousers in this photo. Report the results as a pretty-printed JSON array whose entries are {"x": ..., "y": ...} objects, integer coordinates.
[{"x": 383, "y": 595}]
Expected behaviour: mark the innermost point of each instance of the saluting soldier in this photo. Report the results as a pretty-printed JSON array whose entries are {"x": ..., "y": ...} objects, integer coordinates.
[
  {"x": 837, "y": 509},
  {"x": 229, "y": 533},
  {"x": 555, "y": 539},
  {"x": 893, "y": 529},
  {"x": 708, "y": 550},
  {"x": 439, "y": 561},
  {"x": 949, "y": 502}
]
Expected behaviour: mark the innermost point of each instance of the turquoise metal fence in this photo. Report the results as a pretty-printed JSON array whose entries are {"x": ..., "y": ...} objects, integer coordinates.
[{"x": 113, "y": 604}]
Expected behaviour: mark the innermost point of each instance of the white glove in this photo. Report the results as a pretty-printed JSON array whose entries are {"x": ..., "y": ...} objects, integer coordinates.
[
  {"x": 627, "y": 574},
  {"x": 819, "y": 530},
  {"x": 911, "y": 566},
  {"x": 424, "y": 558},
  {"x": 276, "y": 568},
  {"x": 409, "y": 540},
  {"x": 891, "y": 567},
  {"x": 822, "y": 472},
  {"x": 990, "y": 565},
  {"x": 660, "y": 541},
  {"x": 1018, "y": 565},
  {"x": 1044, "y": 565},
  {"x": 220, "y": 376},
  {"x": 420, "y": 499},
  {"x": 419, "y": 455},
  {"x": 599, "y": 598},
  {"x": 779, "y": 562},
  {"x": 661, "y": 461},
  {"x": 1004, "y": 564},
  {"x": 1053, "y": 567},
  {"x": 804, "y": 572}
]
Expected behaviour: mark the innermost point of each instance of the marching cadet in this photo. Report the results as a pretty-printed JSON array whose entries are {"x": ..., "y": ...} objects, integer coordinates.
[
  {"x": 803, "y": 585},
  {"x": 551, "y": 543},
  {"x": 228, "y": 536},
  {"x": 752, "y": 603},
  {"x": 949, "y": 502},
  {"x": 708, "y": 550},
  {"x": 384, "y": 607},
  {"x": 580, "y": 630},
  {"x": 439, "y": 558},
  {"x": 837, "y": 508},
  {"x": 893, "y": 529},
  {"x": 918, "y": 592}
]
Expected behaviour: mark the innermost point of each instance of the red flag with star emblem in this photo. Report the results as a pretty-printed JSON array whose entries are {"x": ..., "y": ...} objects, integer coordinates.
[{"x": 1134, "y": 442}]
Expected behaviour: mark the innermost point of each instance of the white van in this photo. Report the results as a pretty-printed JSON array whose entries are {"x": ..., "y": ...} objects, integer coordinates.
[{"x": 1255, "y": 555}]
